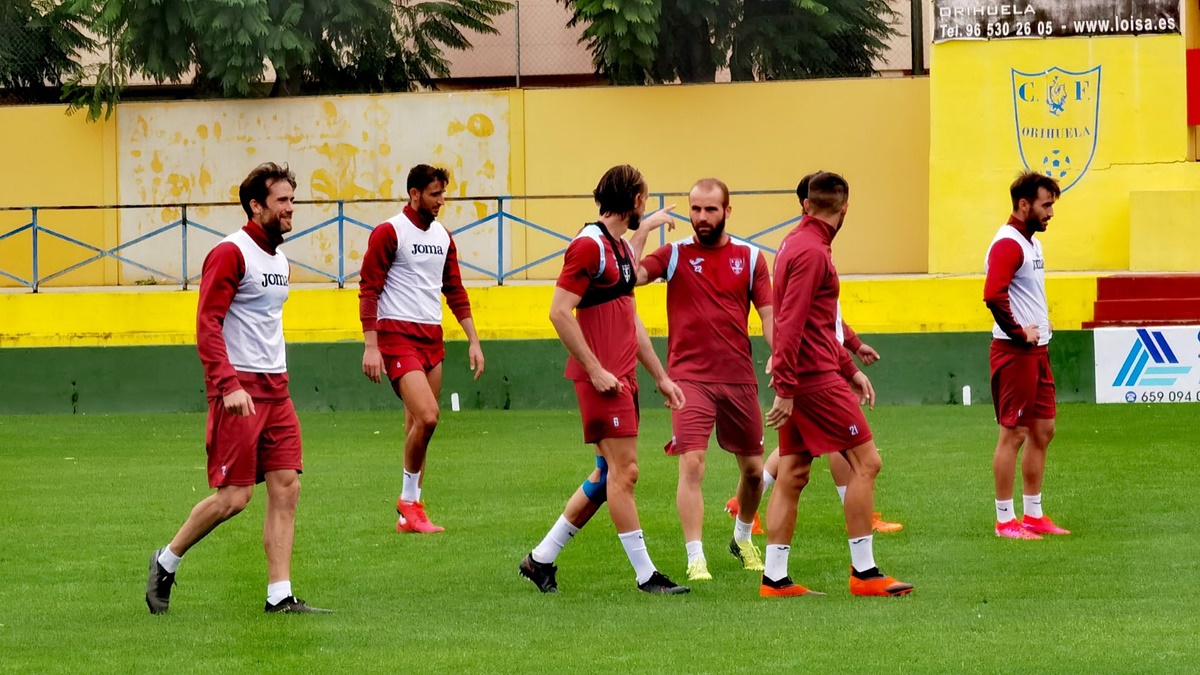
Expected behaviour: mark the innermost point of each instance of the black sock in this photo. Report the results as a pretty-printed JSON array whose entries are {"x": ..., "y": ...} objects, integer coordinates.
[{"x": 872, "y": 573}]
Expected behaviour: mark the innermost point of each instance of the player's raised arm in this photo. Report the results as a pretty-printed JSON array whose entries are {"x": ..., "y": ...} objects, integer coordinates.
[{"x": 637, "y": 242}]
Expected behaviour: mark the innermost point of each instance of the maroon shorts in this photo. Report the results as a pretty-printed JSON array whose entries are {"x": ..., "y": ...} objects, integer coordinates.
[
  {"x": 732, "y": 408},
  {"x": 411, "y": 355},
  {"x": 608, "y": 415},
  {"x": 241, "y": 450},
  {"x": 1022, "y": 385},
  {"x": 824, "y": 421}
]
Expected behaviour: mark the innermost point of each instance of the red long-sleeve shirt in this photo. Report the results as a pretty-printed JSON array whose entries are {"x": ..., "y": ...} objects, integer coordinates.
[
  {"x": 850, "y": 339},
  {"x": 1004, "y": 259},
  {"x": 381, "y": 252},
  {"x": 807, "y": 355},
  {"x": 220, "y": 276}
]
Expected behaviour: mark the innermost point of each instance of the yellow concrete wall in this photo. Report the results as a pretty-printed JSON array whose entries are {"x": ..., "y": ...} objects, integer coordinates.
[
  {"x": 755, "y": 137},
  {"x": 51, "y": 159},
  {"x": 1142, "y": 143},
  {"x": 1164, "y": 231},
  {"x": 150, "y": 317}
]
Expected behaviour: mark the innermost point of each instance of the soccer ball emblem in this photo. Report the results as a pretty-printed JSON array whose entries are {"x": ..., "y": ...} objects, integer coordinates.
[{"x": 1056, "y": 164}]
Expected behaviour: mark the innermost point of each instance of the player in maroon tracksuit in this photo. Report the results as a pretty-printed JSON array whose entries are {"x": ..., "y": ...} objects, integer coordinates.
[
  {"x": 839, "y": 469},
  {"x": 816, "y": 409}
]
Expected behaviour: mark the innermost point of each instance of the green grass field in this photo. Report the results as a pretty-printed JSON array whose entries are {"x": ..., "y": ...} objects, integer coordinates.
[{"x": 83, "y": 501}]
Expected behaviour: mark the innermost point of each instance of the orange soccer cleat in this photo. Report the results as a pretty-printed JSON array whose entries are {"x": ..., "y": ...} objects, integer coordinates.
[
  {"x": 731, "y": 507},
  {"x": 1013, "y": 529},
  {"x": 784, "y": 588},
  {"x": 1042, "y": 525},
  {"x": 878, "y": 586},
  {"x": 413, "y": 518},
  {"x": 878, "y": 524}
]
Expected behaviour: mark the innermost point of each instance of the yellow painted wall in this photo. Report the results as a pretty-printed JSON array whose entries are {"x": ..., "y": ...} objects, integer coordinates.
[
  {"x": 1142, "y": 143},
  {"x": 755, "y": 137},
  {"x": 51, "y": 159},
  {"x": 155, "y": 317},
  {"x": 1164, "y": 231}
]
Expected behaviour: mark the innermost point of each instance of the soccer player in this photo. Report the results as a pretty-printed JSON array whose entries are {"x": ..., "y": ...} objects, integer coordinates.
[
  {"x": 594, "y": 314},
  {"x": 1022, "y": 384},
  {"x": 839, "y": 468},
  {"x": 253, "y": 434},
  {"x": 815, "y": 409},
  {"x": 410, "y": 261},
  {"x": 711, "y": 281}
]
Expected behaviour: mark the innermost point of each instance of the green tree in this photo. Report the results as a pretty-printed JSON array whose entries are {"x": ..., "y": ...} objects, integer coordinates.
[
  {"x": 229, "y": 47},
  {"x": 38, "y": 40},
  {"x": 642, "y": 41}
]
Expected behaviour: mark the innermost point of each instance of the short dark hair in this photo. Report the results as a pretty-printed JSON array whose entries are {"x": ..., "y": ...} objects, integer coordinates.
[
  {"x": 421, "y": 175},
  {"x": 827, "y": 192},
  {"x": 1028, "y": 183},
  {"x": 802, "y": 186},
  {"x": 618, "y": 189},
  {"x": 258, "y": 184},
  {"x": 710, "y": 183}
]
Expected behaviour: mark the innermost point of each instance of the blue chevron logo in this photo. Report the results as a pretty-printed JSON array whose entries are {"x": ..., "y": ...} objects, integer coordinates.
[{"x": 1137, "y": 371}]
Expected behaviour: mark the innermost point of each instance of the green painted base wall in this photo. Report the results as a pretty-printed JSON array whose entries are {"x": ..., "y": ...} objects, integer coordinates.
[{"x": 521, "y": 374}]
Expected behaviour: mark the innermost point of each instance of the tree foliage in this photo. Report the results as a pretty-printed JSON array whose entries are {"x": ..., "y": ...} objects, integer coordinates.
[
  {"x": 230, "y": 47},
  {"x": 38, "y": 43},
  {"x": 642, "y": 41}
]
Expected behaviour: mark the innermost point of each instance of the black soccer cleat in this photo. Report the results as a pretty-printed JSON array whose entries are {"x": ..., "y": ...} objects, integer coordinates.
[
  {"x": 158, "y": 586},
  {"x": 541, "y": 574},
  {"x": 290, "y": 605},
  {"x": 659, "y": 583}
]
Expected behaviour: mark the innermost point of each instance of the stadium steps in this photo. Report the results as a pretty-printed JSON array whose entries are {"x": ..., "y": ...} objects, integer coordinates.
[{"x": 1146, "y": 299}]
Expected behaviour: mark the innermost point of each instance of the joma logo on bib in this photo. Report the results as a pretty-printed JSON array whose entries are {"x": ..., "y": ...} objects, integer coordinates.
[
  {"x": 274, "y": 280},
  {"x": 427, "y": 249}
]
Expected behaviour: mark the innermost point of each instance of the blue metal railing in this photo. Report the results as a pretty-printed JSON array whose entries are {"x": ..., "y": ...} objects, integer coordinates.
[{"x": 502, "y": 216}]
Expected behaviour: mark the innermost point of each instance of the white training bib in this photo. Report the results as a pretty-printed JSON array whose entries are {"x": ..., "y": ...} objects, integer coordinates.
[
  {"x": 413, "y": 290},
  {"x": 253, "y": 329}
]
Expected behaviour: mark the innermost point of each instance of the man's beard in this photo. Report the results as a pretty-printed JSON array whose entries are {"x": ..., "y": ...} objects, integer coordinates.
[
  {"x": 714, "y": 234},
  {"x": 274, "y": 229},
  {"x": 635, "y": 220},
  {"x": 1035, "y": 224}
]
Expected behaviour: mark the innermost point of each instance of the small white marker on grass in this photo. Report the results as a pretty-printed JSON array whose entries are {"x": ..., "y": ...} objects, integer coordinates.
[
  {"x": 454, "y": 402},
  {"x": 966, "y": 399}
]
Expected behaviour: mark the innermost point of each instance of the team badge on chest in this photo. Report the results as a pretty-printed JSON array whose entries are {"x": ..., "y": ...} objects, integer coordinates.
[{"x": 737, "y": 265}]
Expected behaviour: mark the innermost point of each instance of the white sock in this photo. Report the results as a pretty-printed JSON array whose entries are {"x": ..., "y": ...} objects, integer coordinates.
[
  {"x": 1033, "y": 505},
  {"x": 861, "y": 554},
  {"x": 741, "y": 531},
  {"x": 842, "y": 493},
  {"x": 555, "y": 540},
  {"x": 695, "y": 551},
  {"x": 639, "y": 557},
  {"x": 768, "y": 480},
  {"x": 1004, "y": 511},
  {"x": 411, "y": 491},
  {"x": 277, "y": 591},
  {"x": 168, "y": 560},
  {"x": 777, "y": 561}
]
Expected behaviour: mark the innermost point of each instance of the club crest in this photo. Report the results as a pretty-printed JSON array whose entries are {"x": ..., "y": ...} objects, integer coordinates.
[{"x": 1057, "y": 120}]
